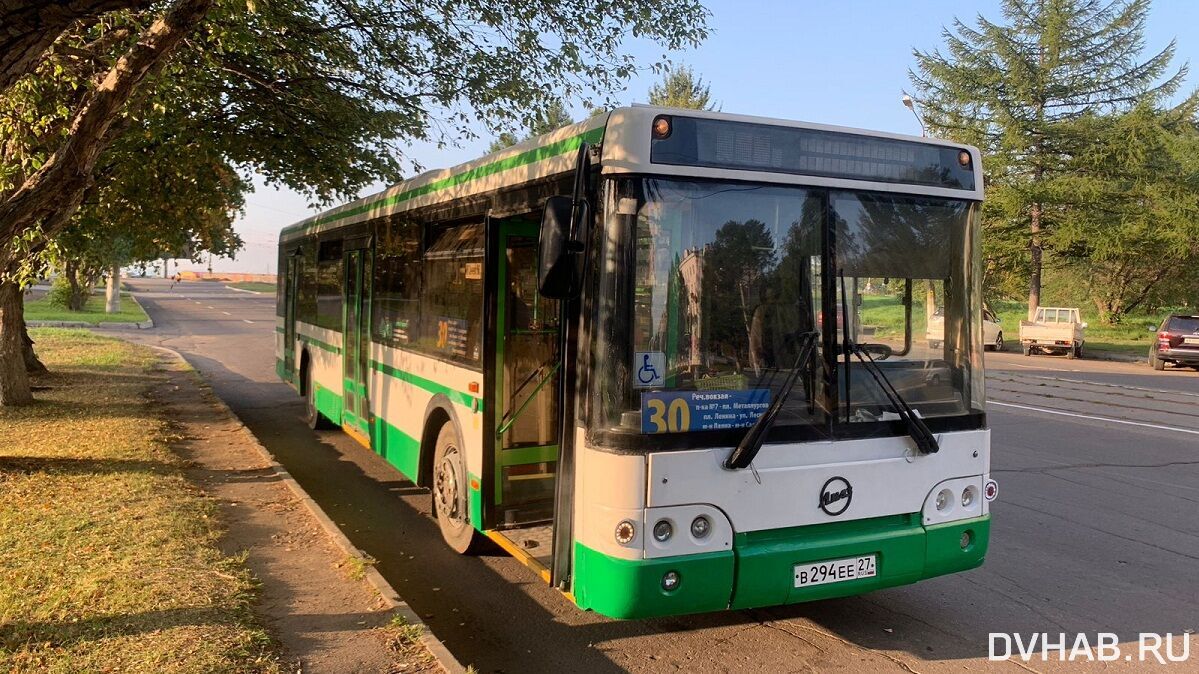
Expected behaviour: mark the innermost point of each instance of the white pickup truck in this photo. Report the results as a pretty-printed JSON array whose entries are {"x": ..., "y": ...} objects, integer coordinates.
[{"x": 1053, "y": 330}]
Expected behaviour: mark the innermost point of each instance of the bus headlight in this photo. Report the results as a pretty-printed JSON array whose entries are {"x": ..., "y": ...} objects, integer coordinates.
[
  {"x": 663, "y": 530},
  {"x": 625, "y": 531},
  {"x": 700, "y": 526},
  {"x": 968, "y": 496},
  {"x": 943, "y": 499}
]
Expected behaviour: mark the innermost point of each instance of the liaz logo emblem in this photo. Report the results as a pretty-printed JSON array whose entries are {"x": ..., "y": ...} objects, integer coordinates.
[{"x": 835, "y": 496}]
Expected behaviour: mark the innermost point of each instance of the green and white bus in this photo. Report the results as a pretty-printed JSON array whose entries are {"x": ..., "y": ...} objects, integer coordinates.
[{"x": 666, "y": 357}]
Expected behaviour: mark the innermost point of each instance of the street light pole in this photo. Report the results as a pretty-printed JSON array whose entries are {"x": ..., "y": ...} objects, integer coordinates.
[{"x": 911, "y": 105}]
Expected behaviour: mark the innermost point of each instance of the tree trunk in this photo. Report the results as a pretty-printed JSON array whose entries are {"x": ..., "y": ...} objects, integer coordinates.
[
  {"x": 30, "y": 27},
  {"x": 1035, "y": 251},
  {"x": 112, "y": 292},
  {"x": 33, "y": 365},
  {"x": 14, "y": 380},
  {"x": 47, "y": 198}
]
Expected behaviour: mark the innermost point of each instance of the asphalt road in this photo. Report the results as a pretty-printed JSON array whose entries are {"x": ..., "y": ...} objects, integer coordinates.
[{"x": 1096, "y": 528}]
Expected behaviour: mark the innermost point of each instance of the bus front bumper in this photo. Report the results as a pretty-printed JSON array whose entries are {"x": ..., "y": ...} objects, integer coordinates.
[{"x": 760, "y": 570}]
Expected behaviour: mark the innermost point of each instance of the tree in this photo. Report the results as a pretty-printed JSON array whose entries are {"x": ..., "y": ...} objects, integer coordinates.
[
  {"x": 319, "y": 97},
  {"x": 31, "y": 27},
  {"x": 1131, "y": 231},
  {"x": 1012, "y": 89},
  {"x": 681, "y": 88},
  {"x": 550, "y": 118}
]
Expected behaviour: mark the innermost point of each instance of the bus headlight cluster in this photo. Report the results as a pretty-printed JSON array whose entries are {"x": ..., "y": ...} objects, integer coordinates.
[
  {"x": 683, "y": 530},
  {"x": 956, "y": 499}
]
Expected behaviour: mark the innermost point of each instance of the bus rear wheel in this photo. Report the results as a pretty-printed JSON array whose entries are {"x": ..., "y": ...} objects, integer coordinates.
[
  {"x": 316, "y": 421},
  {"x": 449, "y": 492}
]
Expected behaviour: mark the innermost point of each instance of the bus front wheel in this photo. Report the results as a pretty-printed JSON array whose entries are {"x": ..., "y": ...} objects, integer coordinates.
[{"x": 449, "y": 492}]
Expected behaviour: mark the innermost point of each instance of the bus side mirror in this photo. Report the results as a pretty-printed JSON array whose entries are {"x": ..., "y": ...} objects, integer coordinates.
[{"x": 559, "y": 255}]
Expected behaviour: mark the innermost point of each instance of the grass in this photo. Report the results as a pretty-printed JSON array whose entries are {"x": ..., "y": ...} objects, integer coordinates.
[
  {"x": 404, "y": 639},
  {"x": 254, "y": 286},
  {"x": 108, "y": 557},
  {"x": 1131, "y": 336},
  {"x": 41, "y": 310}
]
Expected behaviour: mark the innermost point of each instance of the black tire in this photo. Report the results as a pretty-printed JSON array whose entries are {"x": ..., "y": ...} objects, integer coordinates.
[
  {"x": 999, "y": 345},
  {"x": 1157, "y": 363},
  {"x": 312, "y": 416},
  {"x": 1027, "y": 350},
  {"x": 450, "y": 493}
]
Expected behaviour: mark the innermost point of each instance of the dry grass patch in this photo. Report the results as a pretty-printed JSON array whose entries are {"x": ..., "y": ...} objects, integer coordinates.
[{"x": 108, "y": 558}]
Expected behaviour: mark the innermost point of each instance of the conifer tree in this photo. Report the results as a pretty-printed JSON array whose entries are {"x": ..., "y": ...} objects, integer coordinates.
[
  {"x": 1013, "y": 87},
  {"x": 682, "y": 88}
]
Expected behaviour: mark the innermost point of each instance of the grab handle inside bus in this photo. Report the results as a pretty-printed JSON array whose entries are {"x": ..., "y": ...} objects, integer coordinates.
[{"x": 561, "y": 248}]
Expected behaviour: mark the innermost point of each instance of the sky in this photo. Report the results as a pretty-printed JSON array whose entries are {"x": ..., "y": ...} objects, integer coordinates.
[{"x": 841, "y": 63}]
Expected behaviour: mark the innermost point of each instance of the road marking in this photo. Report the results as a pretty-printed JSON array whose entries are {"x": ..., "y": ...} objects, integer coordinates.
[
  {"x": 1088, "y": 416},
  {"x": 1123, "y": 386},
  {"x": 226, "y": 313},
  {"x": 248, "y": 320},
  {"x": 211, "y": 307}
]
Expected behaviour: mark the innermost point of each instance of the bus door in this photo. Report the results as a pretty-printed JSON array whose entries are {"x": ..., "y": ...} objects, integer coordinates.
[
  {"x": 290, "y": 286},
  {"x": 355, "y": 356},
  {"x": 526, "y": 380}
]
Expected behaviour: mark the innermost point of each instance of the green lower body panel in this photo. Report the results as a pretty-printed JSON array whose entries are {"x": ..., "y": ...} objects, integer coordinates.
[
  {"x": 400, "y": 449},
  {"x": 625, "y": 588},
  {"x": 327, "y": 403},
  {"x": 905, "y": 552},
  {"x": 760, "y": 570}
]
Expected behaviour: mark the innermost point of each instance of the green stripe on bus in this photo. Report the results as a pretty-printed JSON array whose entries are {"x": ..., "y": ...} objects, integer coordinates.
[
  {"x": 396, "y": 447},
  {"x": 428, "y": 385},
  {"x": 327, "y": 403},
  {"x": 519, "y": 456},
  {"x": 528, "y": 157},
  {"x": 632, "y": 588},
  {"x": 319, "y": 344}
]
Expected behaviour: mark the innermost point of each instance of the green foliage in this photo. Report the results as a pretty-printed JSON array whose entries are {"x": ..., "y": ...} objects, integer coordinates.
[
  {"x": 551, "y": 118},
  {"x": 64, "y": 296},
  {"x": 1130, "y": 229},
  {"x": 681, "y": 88},
  {"x": 319, "y": 97},
  {"x": 1015, "y": 89}
]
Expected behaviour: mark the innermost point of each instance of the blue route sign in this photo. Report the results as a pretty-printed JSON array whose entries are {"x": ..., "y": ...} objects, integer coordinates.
[{"x": 683, "y": 411}]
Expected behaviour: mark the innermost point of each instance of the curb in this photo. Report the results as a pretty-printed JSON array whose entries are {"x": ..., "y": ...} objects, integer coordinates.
[
  {"x": 391, "y": 598},
  {"x": 243, "y": 290},
  {"x": 144, "y": 325}
]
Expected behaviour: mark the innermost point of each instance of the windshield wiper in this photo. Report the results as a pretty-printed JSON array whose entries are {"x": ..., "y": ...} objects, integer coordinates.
[
  {"x": 925, "y": 441},
  {"x": 749, "y": 446}
]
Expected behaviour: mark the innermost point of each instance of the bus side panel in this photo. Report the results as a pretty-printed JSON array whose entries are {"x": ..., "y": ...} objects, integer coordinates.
[
  {"x": 323, "y": 347},
  {"x": 281, "y": 346},
  {"x": 402, "y": 384}
]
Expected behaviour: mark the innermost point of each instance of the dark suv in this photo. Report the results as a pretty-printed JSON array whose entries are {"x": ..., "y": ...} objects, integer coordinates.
[{"x": 1177, "y": 342}]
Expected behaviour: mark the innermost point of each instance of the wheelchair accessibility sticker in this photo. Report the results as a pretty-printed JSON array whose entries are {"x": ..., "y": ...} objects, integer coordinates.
[{"x": 649, "y": 369}]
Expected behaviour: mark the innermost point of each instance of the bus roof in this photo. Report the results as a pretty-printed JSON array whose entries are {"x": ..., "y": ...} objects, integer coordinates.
[{"x": 624, "y": 133}]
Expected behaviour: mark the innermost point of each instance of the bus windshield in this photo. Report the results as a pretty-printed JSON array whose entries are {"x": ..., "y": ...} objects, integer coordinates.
[{"x": 706, "y": 290}]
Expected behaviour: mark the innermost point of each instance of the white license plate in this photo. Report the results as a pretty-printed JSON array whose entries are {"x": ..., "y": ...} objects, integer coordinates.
[
  {"x": 835, "y": 571},
  {"x": 1190, "y": 340}
]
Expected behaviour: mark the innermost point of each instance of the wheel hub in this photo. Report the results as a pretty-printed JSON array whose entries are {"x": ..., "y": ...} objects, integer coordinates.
[{"x": 445, "y": 489}]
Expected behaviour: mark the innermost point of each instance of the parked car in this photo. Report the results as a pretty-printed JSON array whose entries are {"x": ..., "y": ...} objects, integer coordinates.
[
  {"x": 1177, "y": 342},
  {"x": 992, "y": 330},
  {"x": 1054, "y": 330}
]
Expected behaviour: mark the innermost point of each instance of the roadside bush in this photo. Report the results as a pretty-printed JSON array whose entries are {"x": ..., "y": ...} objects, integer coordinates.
[{"x": 63, "y": 294}]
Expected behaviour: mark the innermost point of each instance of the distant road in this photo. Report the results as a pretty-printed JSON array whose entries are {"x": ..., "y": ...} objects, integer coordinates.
[{"x": 1095, "y": 529}]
